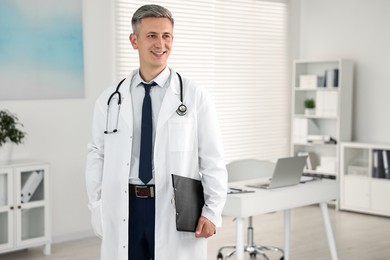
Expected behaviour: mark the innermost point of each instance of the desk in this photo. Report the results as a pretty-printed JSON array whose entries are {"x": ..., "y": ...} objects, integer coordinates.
[{"x": 264, "y": 201}]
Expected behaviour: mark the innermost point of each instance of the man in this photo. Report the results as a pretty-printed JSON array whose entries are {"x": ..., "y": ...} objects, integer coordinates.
[{"x": 135, "y": 150}]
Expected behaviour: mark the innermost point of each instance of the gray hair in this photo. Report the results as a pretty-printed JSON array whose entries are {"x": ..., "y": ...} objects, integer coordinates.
[{"x": 145, "y": 11}]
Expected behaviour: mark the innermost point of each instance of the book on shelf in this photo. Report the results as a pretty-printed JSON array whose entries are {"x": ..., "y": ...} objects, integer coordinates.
[
  {"x": 325, "y": 79},
  {"x": 381, "y": 168},
  {"x": 321, "y": 139},
  {"x": 335, "y": 77},
  {"x": 331, "y": 78},
  {"x": 378, "y": 170},
  {"x": 326, "y": 103},
  {"x": 312, "y": 162},
  {"x": 31, "y": 185},
  {"x": 301, "y": 129},
  {"x": 386, "y": 159}
]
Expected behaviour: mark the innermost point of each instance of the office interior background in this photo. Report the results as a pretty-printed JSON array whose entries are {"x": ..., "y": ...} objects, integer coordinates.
[{"x": 59, "y": 129}]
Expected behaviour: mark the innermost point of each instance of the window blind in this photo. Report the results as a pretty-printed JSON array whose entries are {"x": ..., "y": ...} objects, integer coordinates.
[{"x": 238, "y": 51}]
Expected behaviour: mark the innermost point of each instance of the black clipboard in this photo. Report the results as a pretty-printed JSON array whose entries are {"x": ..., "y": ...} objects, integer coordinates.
[{"x": 189, "y": 201}]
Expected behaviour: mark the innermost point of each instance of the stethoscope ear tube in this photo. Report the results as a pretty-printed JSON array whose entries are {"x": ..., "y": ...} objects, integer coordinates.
[{"x": 116, "y": 92}]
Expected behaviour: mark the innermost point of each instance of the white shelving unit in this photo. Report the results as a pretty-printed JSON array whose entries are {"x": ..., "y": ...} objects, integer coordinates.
[
  {"x": 365, "y": 187},
  {"x": 24, "y": 206},
  {"x": 332, "y": 117}
]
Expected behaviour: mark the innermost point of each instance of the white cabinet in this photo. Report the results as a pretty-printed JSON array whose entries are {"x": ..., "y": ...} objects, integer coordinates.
[
  {"x": 365, "y": 178},
  {"x": 24, "y": 206},
  {"x": 319, "y": 133}
]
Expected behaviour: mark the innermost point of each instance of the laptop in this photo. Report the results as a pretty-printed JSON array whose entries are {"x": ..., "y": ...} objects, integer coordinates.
[{"x": 287, "y": 172}]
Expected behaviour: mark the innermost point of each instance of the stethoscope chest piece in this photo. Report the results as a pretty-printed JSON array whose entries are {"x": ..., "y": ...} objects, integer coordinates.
[{"x": 181, "y": 110}]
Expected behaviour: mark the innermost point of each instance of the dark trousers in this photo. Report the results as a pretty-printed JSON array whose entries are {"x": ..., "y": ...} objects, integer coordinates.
[{"x": 141, "y": 228}]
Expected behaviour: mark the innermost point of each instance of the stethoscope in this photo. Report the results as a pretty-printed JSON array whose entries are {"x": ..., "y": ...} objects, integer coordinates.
[{"x": 181, "y": 110}]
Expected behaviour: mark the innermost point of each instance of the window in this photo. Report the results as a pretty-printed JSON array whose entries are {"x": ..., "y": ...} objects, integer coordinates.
[{"x": 238, "y": 51}]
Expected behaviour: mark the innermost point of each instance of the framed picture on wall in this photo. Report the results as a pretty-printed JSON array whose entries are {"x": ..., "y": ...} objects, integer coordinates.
[{"x": 41, "y": 49}]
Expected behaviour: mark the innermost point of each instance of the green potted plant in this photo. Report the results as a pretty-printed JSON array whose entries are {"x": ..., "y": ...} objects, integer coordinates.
[
  {"x": 310, "y": 105},
  {"x": 9, "y": 134}
]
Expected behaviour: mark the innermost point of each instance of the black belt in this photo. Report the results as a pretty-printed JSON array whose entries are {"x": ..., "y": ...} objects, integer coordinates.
[{"x": 142, "y": 191}]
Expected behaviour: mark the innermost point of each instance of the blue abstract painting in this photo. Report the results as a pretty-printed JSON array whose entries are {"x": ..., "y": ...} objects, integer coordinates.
[{"x": 41, "y": 49}]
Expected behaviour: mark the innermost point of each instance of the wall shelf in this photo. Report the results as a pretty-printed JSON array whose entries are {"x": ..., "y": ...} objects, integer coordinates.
[{"x": 332, "y": 117}]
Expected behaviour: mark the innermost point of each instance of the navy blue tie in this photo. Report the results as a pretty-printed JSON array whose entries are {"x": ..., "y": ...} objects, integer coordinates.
[{"x": 145, "y": 160}]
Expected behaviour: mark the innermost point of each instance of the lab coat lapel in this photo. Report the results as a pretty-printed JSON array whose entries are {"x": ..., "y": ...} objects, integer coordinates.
[
  {"x": 170, "y": 102},
  {"x": 127, "y": 106}
]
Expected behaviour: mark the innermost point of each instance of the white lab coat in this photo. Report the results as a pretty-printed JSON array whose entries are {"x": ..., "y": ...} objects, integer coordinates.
[{"x": 187, "y": 145}]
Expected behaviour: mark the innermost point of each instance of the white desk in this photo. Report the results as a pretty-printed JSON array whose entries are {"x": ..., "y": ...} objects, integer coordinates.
[{"x": 263, "y": 201}]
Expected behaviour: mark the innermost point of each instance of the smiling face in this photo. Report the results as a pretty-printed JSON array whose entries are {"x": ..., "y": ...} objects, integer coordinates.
[{"x": 153, "y": 40}]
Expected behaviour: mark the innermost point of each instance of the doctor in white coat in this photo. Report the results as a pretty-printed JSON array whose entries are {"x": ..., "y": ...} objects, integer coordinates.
[{"x": 187, "y": 145}]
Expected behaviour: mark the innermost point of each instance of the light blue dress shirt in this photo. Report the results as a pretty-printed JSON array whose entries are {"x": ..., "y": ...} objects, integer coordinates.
[{"x": 157, "y": 94}]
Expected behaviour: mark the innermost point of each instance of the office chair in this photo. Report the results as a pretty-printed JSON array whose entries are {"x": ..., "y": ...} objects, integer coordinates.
[{"x": 245, "y": 170}]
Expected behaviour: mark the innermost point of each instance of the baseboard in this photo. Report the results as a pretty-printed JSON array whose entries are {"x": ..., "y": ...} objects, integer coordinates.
[{"x": 73, "y": 236}]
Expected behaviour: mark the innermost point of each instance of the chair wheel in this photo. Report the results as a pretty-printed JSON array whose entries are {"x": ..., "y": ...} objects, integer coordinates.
[
  {"x": 219, "y": 256},
  {"x": 252, "y": 255},
  {"x": 282, "y": 258}
]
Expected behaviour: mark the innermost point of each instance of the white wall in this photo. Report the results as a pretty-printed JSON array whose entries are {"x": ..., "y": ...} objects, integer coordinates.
[
  {"x": 358, "y": 30},
  {"x": 59, "y": 130}
]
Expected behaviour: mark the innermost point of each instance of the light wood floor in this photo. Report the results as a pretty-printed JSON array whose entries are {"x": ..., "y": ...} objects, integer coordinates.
[{"x": 358, "y": 237}]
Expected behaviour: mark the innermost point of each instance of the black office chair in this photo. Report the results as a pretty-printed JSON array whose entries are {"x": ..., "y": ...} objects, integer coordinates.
[{"x": 245, "y": 170}]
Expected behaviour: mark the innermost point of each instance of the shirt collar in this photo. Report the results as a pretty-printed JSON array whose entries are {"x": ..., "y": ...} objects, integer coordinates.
[{"x": 161, "y": 78}]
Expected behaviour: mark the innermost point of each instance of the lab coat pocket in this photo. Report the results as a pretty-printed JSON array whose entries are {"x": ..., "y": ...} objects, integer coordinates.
[
  {"x": 96, "y": 218},
  {"x": 181, "y": 134}
]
